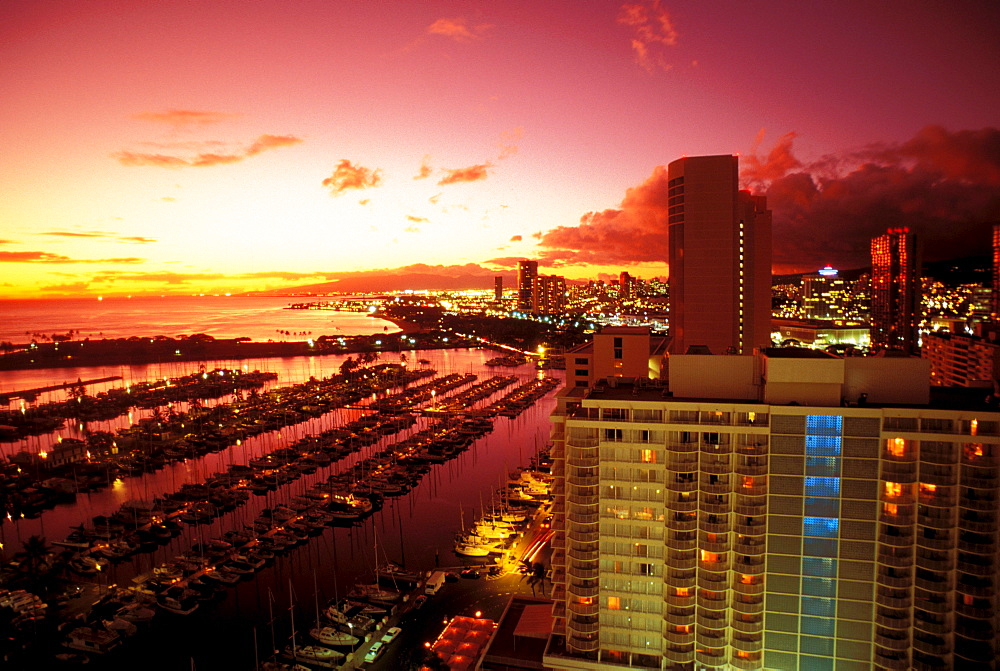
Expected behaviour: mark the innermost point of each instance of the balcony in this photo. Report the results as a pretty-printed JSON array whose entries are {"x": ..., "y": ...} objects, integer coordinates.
[
  {"x": 584, "y": 461},
  {"x": 682, "y": 524},
  {"x": 683, "y": 544},
  {"x": 685, "y": 486},
  {"x": 748, "y": 469},
  {"x": 894, "y": 581},
  {"x": 939, "y": 586},
  {"x": 679, "y": 618},
  {"x": 748, "y": 627},
  {"x": 687, "y": 506},
  {"x": 583, "y": 627},
  {"x": 988, "y": 503},
  {"x": 683, "y": 601},
  {"x": 891, "y": 659},
  {"x": 716, "y": 488},
  {"x": 747, "y": 644},
  {"x": 575, "y": 607},
  {"x": 710, "y": 658},
  {"x": 970, "y": 611},
  {"x": 977, "y": 525},
  {"x": 899, "y": 560},
  {"x": 936, "y": 543},
  {"x": 746, "y": 662},
  {"x": 897, "y": 642},
  {"x": 935, "y": 564},
  {"x": 751, "y": 529},
  {"x": 717, "y": 527},
  {"x": 749, "y": 607},
  {"x": 899, "y": 540},
  {"x": 751, "y": 509},
  {"x": 578, "y": 536},
  {"x": 976, "y": 568},
  {"x": 715, "y": 466},
  {"x": 893, "y": 602},
  {"x": 583, "y": 589},
  {"x": 582, "y": 644},
  {"x": 581, "y": 572},
  {"x": 680, "y": 653},
  {"x": 715, "y": 508},
  {"x": 681, "y": 638},
  {"x": 677, "y": 446},
  {"x": 713, "y": 581},
  {"x": 748, "y": 588}
]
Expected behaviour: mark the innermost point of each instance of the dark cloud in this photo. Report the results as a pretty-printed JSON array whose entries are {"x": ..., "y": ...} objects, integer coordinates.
[
  {"x": 944, "y": 186},
  {"x": 347, "y": 176},
  {"x": 473, "y": 173},
  {"x": 636, "y": 232}
]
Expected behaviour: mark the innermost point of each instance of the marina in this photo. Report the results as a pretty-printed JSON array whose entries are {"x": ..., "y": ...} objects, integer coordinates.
[{"x": 319, "y": 494}]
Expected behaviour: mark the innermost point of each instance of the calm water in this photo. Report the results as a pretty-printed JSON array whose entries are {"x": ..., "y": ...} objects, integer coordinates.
[
  {"x": 416, "y": 529},
  {"x": 260, "y": 318}
]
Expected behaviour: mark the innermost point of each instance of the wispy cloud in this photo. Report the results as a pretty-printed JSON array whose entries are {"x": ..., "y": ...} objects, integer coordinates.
[
  {"x": 425, "y": 168},
  {"x": 205, "y": 159},
  {"x": 49, "y": 257},
  {"x": 458, "y": 29},
  {"x": 473, "y": 173},
  {"x": 417, "y": 220},
  {"x": 182, "y": 118},
  {"x": 135, "y": 239},
  {"x": 652, "y": 33},
  {"x": 509, "y": 141},
  {"x": 516, "y": 238},
  {"x": 347, "y": 176}
]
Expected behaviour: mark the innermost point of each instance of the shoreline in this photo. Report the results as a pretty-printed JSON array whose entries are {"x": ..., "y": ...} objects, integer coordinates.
[{"x": 139, "y": 350}]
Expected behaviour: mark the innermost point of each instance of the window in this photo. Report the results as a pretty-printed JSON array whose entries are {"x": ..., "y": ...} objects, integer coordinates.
[
  {"x": 614, "y": 603},
  {"x": 822, "y": 486},
  {"x": 581, "y": 361},
  {"x": 649, "y": 457},
  {"x": 819, "y": 566},
  {"x": 646, "y": 569},
  {"x": 820, "y": 526},
  {"x": 581, "y": 372},
  {"x": 618, "y": 345},
  {"x": 893, "y": 489},
  {"x": 896, "y": 447},
  {"x": 614, "y": 435}
]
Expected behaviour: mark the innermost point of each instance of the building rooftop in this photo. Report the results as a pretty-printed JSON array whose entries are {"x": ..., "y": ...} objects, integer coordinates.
[{"x": 521, "y": 635}]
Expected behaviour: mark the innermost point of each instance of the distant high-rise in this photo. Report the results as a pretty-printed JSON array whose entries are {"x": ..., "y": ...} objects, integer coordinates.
[
  {"x": 995, "y": 303},
  {"x": 527, "y": 272},
  {"x": 624, "y": 286},
  {"x": 549, "y": 295},
  {"x": 720, "y": 258},
  {"x": 895, "y": 311},
  {"x": 498, "y": 288}
]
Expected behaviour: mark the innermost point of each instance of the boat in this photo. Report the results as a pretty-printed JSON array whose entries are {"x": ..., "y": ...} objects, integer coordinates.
[
  {"x": 333, "y": 636},
  {"x": 471, "y": 549},
  {"x": 315, "y": 654},
  {"x": 87, "y": 639}
]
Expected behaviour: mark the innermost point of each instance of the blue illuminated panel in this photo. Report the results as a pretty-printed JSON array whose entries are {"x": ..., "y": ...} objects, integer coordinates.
[{"x": 820, "y": 532}]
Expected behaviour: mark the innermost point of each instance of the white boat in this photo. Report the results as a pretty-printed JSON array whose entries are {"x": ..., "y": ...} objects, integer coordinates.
[
  {"x": 471, "y": 549},
  {"x": 92, "y": 640},
  {"x": 333, "y": 636},
  {"x": 315, "y": 654}
]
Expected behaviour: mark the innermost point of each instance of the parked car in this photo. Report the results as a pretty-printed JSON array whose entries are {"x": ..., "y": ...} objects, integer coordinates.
[
  {"x": 390, "y": 635},
  {"x": 374, "y": 651}
]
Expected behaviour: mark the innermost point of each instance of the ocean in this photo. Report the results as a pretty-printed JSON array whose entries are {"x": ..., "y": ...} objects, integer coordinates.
[{"x": 260, "y": 318}]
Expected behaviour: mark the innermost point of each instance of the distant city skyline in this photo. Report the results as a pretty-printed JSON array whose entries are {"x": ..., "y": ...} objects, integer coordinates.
[{"x": 162, "y": 148}]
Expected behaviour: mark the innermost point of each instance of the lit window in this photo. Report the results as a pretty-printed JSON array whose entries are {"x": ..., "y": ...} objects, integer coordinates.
[
  {"x": 927, "y": 489},
  {"x": 709, "y": 556},
  {"x": 683, "y": 591},
  {"x": 647, "y": 456},
  {"x": 897, "y": 447},
  {"x": 614, "y": 603},
  {"x": 586, "y": 600},
  {"x": 748, "y": 482},
  {"x": 746, "y": 579},
  {"x": 974, "y": 427},
  {"x": 893, "y": 489},
  {"x": 890, "y": 508},
  {"x": 973, "y": 450}
]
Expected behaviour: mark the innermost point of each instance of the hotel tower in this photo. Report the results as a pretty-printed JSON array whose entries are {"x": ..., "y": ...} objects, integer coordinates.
[
  {"x": 720, "y": 258},
  {"x": 783, "y": 509}
]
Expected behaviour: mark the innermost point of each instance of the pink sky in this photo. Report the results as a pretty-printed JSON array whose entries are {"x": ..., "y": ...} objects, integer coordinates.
[{"x": 162, "y": 146}]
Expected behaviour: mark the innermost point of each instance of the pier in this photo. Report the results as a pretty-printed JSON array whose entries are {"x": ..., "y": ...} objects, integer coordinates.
[{"x": 32, "y": 394}]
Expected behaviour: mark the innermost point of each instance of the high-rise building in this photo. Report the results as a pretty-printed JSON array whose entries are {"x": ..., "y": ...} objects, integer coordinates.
[
  {"x": 825, "y": 295},
  {"x": 720, "y": 258},
  {"x": 498, "y": 288},
  {"x": 785, "y": 510},
  {"x": 527, "y": 272},
  {"x": 995, "y": 303},
  {"x": 624, "y": 286},
  {"x": 549, "y": 295},
  {"x": 896, "y": 292}
]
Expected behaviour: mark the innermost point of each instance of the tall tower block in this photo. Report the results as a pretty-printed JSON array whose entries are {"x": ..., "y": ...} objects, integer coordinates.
[{"x": 720, "y": 258}]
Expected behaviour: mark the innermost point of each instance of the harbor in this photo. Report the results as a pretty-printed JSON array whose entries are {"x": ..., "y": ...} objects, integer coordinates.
[{"x": 330, "y": 497}]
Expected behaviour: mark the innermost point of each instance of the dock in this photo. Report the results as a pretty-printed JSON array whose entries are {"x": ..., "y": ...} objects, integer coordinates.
[{"x": 31, "y": 394}]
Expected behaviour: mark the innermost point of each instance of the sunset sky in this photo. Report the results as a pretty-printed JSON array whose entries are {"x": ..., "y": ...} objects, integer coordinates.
[{"x": 226, "y": 146}]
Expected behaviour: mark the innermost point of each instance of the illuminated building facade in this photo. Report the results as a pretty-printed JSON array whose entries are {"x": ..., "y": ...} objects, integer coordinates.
[
  {"x": 896, "y": 292},
  {"x": 825, "y": 295},
  {"x": 527, "y": 273},
  {"x": 995, "y": 303},
  {"x": 783, "y": 510},
  {"x": 720, "y": 258},
  {"x": 549, "y": 295}
]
